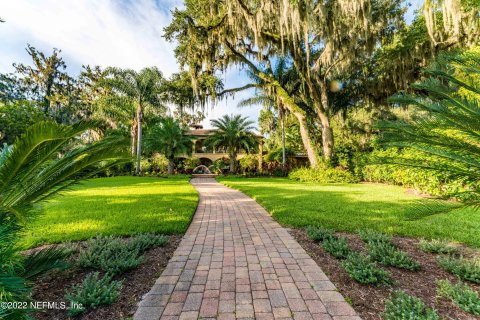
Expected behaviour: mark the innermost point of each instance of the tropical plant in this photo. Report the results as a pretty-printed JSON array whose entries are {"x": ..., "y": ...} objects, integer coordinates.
[
  {"x": 169, "y": 139},
  {"x": 134, "y": 94},
  {"x": 234, "y": 133},
  {"x": 34, "y": 169},
  {"x": 448, "y": 135}
]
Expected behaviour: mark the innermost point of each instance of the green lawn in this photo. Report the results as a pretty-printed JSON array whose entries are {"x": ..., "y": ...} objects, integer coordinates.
[
  {"x": 349, "y": 207},
  {"x": 119, "y": 206}
]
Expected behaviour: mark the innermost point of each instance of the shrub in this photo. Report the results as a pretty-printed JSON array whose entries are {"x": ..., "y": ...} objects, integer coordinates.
[
  {"x": 406, "y": 307},
  {"x": 143, "y": 242},
  {"x": 192, "y": 162},
  {"x": 337, "y": 247},
  {"x": 145, "y": 165},
  {"x": 114, "y": 255},
  {"x": 463, "y": 268},
  {"x": 319, "y": 233},
  {"x": 92, "y": 292},
  {"x": 370, "y": 236},
  {"x": 389, "y": 255},
  {"x": 436, "y": 246},
  {"x": 461, "y": 295},
  {"x": 361, "y": 269},
  {"x": 322, "y": 175},
  {"x": 436, "y": 183},
  {"x": 159, "y": 163},
  {"x": 249, "y": 163}
]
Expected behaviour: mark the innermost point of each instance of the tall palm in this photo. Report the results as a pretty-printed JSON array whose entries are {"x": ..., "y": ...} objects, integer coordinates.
[
  {"x": 448, "y": 136},
  {"x": 169, "y": 139},
  {"x": 34, "y": 169},
  {"x": 135, "y": 91},
  {"x": 234, "y": 133}
]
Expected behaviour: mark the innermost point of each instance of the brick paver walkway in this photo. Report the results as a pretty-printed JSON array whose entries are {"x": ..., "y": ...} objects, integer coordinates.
[{"x": 236, "y": 262}]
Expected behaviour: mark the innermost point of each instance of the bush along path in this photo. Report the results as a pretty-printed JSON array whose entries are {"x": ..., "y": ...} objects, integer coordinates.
[
  {"x": 397, "y": 278},
  {"x": 236, "y": 262}
]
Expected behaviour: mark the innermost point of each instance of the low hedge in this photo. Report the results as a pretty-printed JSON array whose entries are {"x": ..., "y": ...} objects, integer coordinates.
[{"x": 323, "y": 175}]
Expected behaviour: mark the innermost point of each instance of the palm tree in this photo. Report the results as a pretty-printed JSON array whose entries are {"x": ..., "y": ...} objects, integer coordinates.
[
  {"x": 34, "y": 169},
  {"x": 135, "y": 91},
  {"x": 234, "y": 133},
  {"x": 170, "y": 139},
  {"x": 448, "y": 136}
]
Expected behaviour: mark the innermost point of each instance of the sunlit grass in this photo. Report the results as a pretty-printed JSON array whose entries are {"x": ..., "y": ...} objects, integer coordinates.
[
  {"x": 118, "y": 206},
  {"x": 350, "y": 207}
]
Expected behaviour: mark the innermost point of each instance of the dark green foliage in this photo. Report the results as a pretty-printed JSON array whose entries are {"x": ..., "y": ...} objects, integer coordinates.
[
  {"x": 361, "y": 269},
  {"x": 437, "y": 246},
  {"x": 322, "y": 175},
  {"x": 381, "y": 249},
  {"x": 337, "y": 246},
  {"x": 463, "y": 268},
  {"x": 92, "y": 292},
  {"x": 30, "y": 172},
  {"x": 234, "y": 134},
  {"x": 115, "y": 255},
  {"x": 447, "y": 136},
  {"x": 370, "y": 236},
  {"x": 16, "y": 116},
  {"x": 389, "y": 255},
  {"x": 461, "y": 294},
  {"x": 402, "y": 306},
  {"x": 319, "y": 233}
]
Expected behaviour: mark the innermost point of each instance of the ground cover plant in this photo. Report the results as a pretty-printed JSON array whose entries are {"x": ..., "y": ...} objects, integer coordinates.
[
  {"x": 461, "y": 295},
  {"x": 404, "y": 306},
  {"x": 465, "y": 269},
  {"x": 437, "y": 246},
  {"x": 352, "y": 207},
  {"x": 115, "y": 206},
  {"x": 367, "y": 284},
  {"x": 361, "y": 268},
  {"x": 92, "y": 292}
]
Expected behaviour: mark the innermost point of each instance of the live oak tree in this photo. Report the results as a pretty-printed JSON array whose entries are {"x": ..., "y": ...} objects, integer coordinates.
[{"x": 318, "y": 36}]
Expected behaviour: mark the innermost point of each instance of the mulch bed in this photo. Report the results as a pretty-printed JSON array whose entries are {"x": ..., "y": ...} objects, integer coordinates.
[
  {"x": 368, "y": 300},
  {"x": 136, "y": 283}
]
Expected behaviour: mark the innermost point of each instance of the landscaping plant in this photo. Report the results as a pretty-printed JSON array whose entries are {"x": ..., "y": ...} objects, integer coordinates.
[
  {"x": 361, "y": 269},
  {"x": 92, "y": 292},
  {"x": 319, "y": 233},
  {"x": 382, "y": 250},
  {"x": 402, "y": 306},
  {"x": 461, "y": 294},
  {"x": 337, "y": 247},
  {"x": 45, "y": 160},
  {"x": 437, "y": 246},
  {"x": 463, "y": 268},
  {"x": 114, "y": 255}
]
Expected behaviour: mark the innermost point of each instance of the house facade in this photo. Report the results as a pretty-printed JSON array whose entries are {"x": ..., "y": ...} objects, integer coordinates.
[{"x": 207, "y": 154}]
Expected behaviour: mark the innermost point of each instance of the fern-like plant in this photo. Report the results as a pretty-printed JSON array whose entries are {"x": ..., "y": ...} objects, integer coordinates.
[
  {"x": 447, "y": 132},
  {"x": 34, "y": 169}
]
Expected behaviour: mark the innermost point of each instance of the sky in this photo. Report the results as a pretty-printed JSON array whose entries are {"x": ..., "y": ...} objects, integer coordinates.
[{"x": 121, "y": 33}]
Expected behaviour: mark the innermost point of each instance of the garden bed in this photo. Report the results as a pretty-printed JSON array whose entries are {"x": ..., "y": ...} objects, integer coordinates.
[
  {"x": 136, "y": 283},
  {"x": 368, "y": 300}
]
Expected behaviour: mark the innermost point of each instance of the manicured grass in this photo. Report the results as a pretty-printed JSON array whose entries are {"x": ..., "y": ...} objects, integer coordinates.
[
  {"x": 115, "y": 206},
  {"x": 350, "y": 207}
]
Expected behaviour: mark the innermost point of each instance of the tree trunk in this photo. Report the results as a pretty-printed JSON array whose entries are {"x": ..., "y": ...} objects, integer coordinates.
[
  {"x": 233, "y": 162},
  {"x": 307, "y": 143},
  {"x": 133, "y": 133},
  {"x": 139, "y": 139},
  {"x": 327, "y": 132},
  {"x": 171, "y": 166},
  {"x": 282, "y": 119}
]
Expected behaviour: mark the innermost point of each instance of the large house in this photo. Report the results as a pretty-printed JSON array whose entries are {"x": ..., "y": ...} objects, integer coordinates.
[{"x": 208, "y": 155}]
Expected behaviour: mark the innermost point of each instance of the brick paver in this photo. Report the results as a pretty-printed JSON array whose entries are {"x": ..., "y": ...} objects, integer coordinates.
[{"x": 236, "y": 262}]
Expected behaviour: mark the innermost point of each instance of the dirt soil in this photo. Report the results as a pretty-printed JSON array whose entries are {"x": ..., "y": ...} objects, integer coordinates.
[
  {"x": 136, "y": 283},
  {"x": 368, "y": 300}
]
